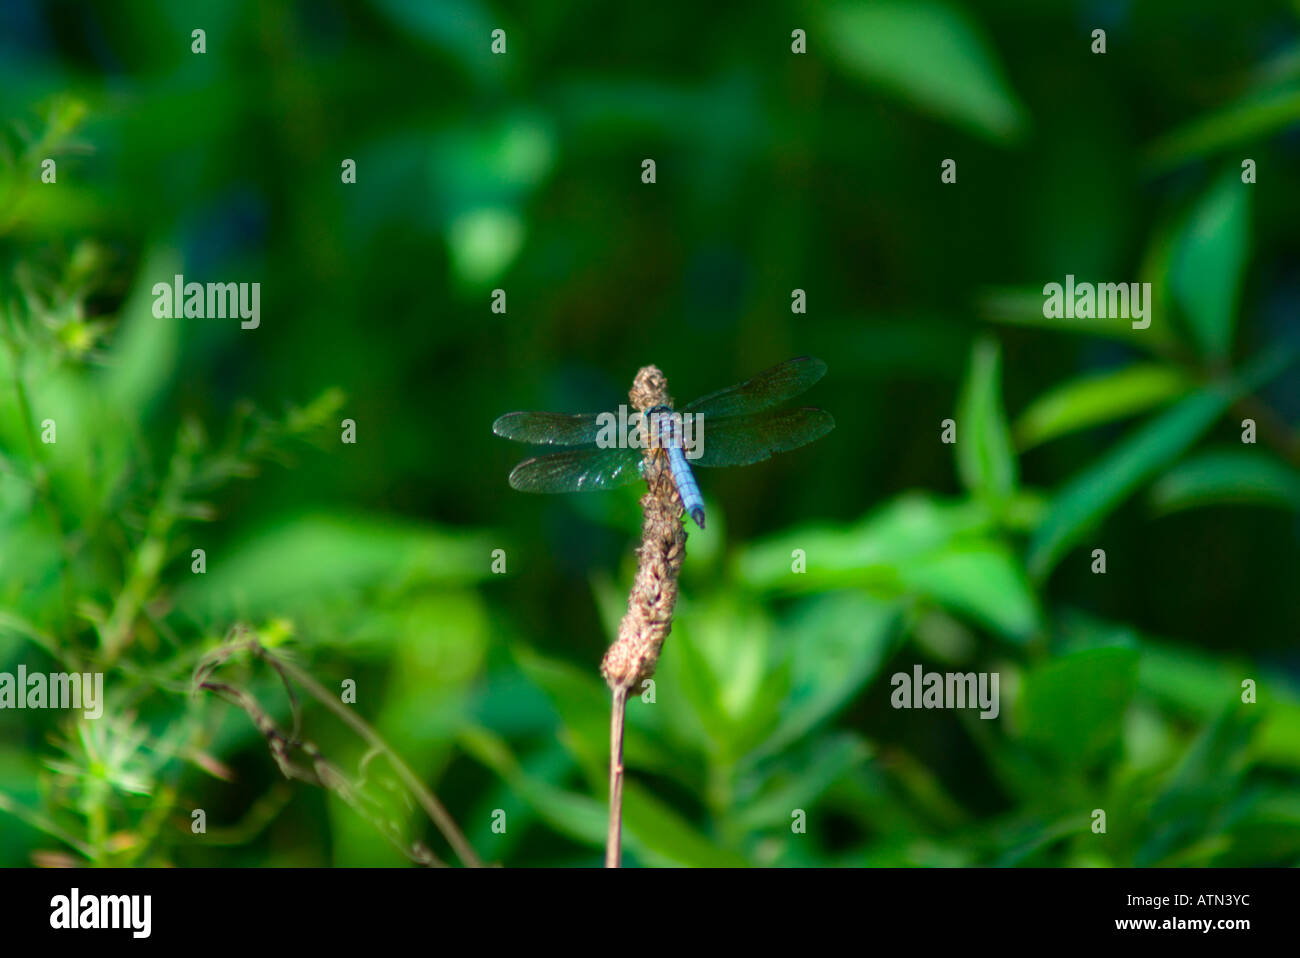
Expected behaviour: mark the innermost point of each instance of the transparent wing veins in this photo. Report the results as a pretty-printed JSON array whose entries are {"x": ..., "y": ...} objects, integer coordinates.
[
  {"x": 549, "y": 428},
  {"x": 577, "y": 470},
  {"x": 770, "y": 387},
  {"x": 742, "y": 440}
]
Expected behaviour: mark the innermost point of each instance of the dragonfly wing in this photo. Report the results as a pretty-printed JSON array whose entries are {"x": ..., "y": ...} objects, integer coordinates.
[
  {"x": 767, "y": 389},
  {"x": 577, "y": 470},
  {"x": 549, "y": 428},
  {"x": 742, "y": 440}
]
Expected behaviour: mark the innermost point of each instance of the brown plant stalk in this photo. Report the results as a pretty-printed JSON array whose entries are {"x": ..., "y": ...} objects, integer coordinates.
[
  {"x": 649, "y": 617},
  {"x": 322, "y": 772}
]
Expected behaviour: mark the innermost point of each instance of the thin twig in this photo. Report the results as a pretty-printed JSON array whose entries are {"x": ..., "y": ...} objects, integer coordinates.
[
  {"x": 614, "y": 844},
  {"x": 432, "y": 807},
  {"x": 323, "y": 773}
]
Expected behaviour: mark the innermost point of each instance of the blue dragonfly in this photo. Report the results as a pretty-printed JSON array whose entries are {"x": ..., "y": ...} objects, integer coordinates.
[{"x": 735, "y": 426}]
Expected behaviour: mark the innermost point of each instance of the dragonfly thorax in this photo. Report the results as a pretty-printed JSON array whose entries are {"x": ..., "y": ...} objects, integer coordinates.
[{"x": 664, "y": 425}]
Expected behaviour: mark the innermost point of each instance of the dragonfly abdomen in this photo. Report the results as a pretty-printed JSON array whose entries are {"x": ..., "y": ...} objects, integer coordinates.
[
  {"x": 670, "y": 440},
  {"x": 686, "y": 487}
]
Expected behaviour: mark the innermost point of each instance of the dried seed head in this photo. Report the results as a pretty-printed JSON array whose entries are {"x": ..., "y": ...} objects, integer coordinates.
[{"x": 649, "y": 618}]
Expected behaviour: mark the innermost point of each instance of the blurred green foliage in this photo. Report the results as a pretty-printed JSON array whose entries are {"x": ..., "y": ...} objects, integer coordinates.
[{"x": 372, "y": 563}]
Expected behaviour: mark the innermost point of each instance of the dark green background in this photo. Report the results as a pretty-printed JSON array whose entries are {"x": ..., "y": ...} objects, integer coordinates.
[{"x": 775, "y": 171}]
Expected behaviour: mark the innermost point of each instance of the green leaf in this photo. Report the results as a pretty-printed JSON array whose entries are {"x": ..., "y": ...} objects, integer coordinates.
[
  {"x": 931, "y": 55},
  {"x": 1268, "y": 829},
  {"x": 302, "y": 560},
  {"x": 1278, "y": 742},
  {"x": 1024, "y": 307},
  {"x": 583, "y": 704},
  {"x": 1251, "y": 119},
  {"x": 1074, "y": 706},
  {"x": 801, "y": 780},
  {"x": 652, "y": 831},
  {"x": 1187, "y": 684},
  {"x": 985, "y": 459},
  {"x": 718, "y": 671},
  {"x": 580, "y": 699},
  {"x": 1227, "y": 476},
  {"x": 456, "y": 28},
  {"x": 655, "y": 833},
  {"x": 910, "y": 526},
  {"x": 982, "y": 580},
  {"x": 580, "y": 817},
  {"x": 1186, "y": 816},
  {"x": 1092, "y": 400},
  {"x": 913, "y": 546},
  {"x": 144, "y": 354},
  {"x": 1089, "y": 496},
  {"x": 701, "y": 690},
  {"x": 1209, "y": 256},
  {"x": 1196, "y": 688},
  {"x": 836, "y": 644}
]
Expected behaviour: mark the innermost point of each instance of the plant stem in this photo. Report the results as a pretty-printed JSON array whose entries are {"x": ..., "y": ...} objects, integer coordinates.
[
  {"x": 432, "y": 806},
  {"x": 614, "y": 843},
  {"x": 41, "y": 477},
  {"x": 631, "y": 660}
]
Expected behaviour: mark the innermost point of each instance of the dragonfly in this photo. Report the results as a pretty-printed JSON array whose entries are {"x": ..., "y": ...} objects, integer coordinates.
[{"x": 736, "y": 426}]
